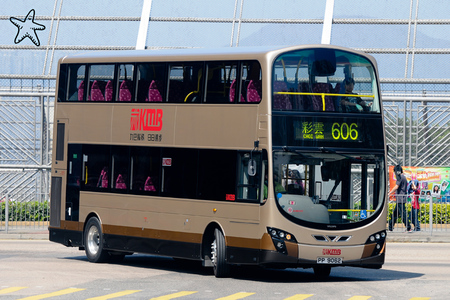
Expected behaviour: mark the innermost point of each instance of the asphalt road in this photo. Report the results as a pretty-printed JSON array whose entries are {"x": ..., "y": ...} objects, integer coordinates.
[{"x": 39, "y": 269}]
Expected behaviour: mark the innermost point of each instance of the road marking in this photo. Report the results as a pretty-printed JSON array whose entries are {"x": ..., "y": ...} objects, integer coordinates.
[
  {"x": 58, "y": 293},
  {"x": 359, "y": 297},
  {"x": 236, "y": 296},
  {"x": 115, "y": 295},
  {"x": 174, "y": 295},
  {"x": 12, "y": 289},
  {"x": 299, "y": 297}
]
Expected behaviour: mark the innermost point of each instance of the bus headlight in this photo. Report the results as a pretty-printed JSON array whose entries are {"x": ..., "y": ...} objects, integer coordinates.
[
  {"x": 379, "y": 239},
  {"x": 279, "y": 237}
]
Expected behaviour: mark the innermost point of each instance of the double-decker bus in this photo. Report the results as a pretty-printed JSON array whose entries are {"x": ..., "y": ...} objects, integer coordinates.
[{"x": 270, "y": 156}]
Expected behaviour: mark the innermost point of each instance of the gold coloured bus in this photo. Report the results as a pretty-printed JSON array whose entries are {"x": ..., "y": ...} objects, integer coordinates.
[{"x": 270, "y": 156}]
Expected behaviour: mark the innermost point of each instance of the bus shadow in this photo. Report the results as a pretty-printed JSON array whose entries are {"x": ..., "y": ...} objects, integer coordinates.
[
  {"x": 260, "y": 274},
  {"x": 339, "y": 274},
  {"x": 159, "y": 263}
]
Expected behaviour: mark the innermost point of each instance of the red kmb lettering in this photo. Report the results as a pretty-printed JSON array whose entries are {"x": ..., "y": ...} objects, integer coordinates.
[
  {"x": 331, "y": 251},
  {"x": 146, "y": 119}
]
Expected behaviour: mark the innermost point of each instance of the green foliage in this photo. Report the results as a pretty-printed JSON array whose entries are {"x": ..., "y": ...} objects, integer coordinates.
[
  {"x": 26, "y": 211},
  {"x": 441, "y": 213}
]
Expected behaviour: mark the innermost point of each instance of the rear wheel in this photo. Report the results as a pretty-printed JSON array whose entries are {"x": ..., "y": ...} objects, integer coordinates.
[
  {"x": 93, "y": 242},
  {"x": 218, "y": 255}
]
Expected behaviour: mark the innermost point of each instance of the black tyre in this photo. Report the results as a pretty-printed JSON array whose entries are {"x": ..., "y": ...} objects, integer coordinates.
[
  {"x": 322, "y": 271},
  {"x": 93, "y": 242},
  {"x": 218, "y": 255}
]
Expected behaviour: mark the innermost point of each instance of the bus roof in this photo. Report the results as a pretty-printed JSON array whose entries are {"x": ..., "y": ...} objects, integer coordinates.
[{"x": 187, "y": 54}]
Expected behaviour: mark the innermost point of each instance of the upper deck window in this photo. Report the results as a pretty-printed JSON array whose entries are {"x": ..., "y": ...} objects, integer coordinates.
[
  {"x": 170, "y": 82},
  {"x": 324, "y": 80},
  {"x": 101, "y": 84},
  {"x": 75, "y": 75},
  {"x": 221, "y": 82},
  {"x": 151, "y": 79},
  {"x": 185, "y": 82},
  {"x": 251, "y": 81},
  {"x": 126, "y": 83}
]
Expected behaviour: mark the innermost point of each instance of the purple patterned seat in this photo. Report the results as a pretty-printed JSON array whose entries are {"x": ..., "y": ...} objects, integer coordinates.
[
  {"x": 302, "y": 102},
  {"x": 254, "y": 91},
  {"x": 148, "y": 185},
  {"x": 153, "y": 93},
  {"x": 109, "y": 91},
  {"x": 103, "y": 179},
  {"x": 96, "y": 92},
  {"x": 281, "y": 101},
  {"x": 317, "y": 102},
  {"x": 120, "y": 183},
  {"x": 125, "y": 91},
  {"x": 81, "y": 91},
  {"x": 233, "y": 92}
]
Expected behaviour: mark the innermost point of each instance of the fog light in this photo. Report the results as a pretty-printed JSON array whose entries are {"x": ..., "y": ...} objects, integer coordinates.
[
  {"x": 378, "y": 246},
  {"x": 279, "y": 237}
]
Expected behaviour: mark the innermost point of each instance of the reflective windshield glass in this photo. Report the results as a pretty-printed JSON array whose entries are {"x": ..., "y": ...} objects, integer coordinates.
[
  {"x": 324, "y": 80},
  {"x": 328, "y": 188}
]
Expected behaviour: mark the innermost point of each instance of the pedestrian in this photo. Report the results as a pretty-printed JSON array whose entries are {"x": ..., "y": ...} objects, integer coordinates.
[
  {"x": 401, "y": 197},
  {"x": 414, "y": 192}
]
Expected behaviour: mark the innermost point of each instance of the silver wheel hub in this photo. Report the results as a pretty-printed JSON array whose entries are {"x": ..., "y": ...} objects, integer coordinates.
[{"x": 93, "y": 240}]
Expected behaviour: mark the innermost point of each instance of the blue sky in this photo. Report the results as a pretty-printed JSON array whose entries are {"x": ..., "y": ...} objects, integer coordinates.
[{"x": 173, "y": 34}]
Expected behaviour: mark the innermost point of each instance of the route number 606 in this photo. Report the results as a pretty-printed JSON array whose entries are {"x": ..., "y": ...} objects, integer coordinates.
[{"x": 344, "y": 131}]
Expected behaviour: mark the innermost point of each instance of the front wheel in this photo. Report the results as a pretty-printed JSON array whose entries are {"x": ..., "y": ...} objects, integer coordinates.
[
  {"x": 93, "y": 242},
  {"x": 218, "y": 255}
]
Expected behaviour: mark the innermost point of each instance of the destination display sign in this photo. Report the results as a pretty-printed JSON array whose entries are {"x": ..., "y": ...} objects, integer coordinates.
[
  {"x": 325, "y": 131},
  {"x": 328, "y": 130}
]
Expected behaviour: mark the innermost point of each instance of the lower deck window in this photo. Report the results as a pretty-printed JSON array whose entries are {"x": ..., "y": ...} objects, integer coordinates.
[{"x": 207, "y": 174}]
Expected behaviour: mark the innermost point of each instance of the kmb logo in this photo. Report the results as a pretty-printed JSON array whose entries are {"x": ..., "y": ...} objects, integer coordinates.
[
  {"x": 331, "y": 251},
  {"x": 146, "y": 119}
]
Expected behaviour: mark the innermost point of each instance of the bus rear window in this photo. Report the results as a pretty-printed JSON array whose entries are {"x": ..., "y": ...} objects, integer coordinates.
[{"x": 75, "y": 83}]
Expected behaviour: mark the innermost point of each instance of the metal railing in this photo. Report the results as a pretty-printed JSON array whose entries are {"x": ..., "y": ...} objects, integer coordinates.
[{"x": 432, "y": 217}]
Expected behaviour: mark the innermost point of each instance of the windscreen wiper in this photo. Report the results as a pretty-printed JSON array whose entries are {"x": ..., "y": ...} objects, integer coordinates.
[{"x": 352, "y": 159}]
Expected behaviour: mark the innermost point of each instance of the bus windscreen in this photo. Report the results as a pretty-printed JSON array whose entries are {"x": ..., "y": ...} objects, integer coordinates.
[
  {"x": 328, "y": 188},
  {"x": 324, "y": 80}
]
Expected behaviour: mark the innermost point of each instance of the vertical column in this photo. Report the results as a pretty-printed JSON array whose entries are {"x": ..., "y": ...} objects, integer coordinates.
[
  {"x": 327, "y": 22},
  {"x": 239, "y": 24},
  {"x": 143, "y": 25},
  {"x": 7, "y": 212}
]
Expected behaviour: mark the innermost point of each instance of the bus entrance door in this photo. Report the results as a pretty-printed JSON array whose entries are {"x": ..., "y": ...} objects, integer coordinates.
[{"x": 73, "y": 183}]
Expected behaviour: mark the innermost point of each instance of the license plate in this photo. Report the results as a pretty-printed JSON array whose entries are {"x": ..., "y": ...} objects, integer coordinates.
[{"x": 329, "y": 260}]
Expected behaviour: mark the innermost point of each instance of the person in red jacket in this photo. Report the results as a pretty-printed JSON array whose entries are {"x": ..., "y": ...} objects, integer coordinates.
[{"x": 414, "y": 192}]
